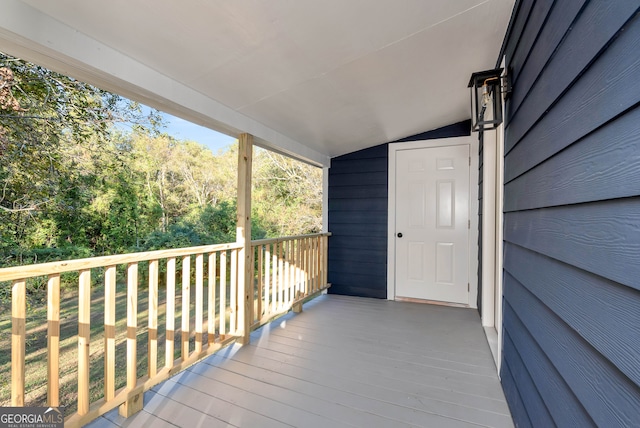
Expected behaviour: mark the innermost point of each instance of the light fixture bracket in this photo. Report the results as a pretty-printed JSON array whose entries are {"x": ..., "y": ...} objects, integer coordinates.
[{"x": 486, "y": 99}]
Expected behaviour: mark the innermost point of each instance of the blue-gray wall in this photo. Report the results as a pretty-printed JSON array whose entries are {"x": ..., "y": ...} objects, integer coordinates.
[
  {"x": 572, "y": 214},
  {"x": 358, "y": 198}
]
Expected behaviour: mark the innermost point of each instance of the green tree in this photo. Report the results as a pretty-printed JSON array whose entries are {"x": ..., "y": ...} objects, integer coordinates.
[
  {"x": 54, "y": 130},
  {"x": 72, "y": 183},
  {"x": 287, "y": 194}
]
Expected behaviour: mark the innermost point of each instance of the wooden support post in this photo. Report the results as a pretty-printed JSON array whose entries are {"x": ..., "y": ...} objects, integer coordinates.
[{"x": 243, "y": 237}]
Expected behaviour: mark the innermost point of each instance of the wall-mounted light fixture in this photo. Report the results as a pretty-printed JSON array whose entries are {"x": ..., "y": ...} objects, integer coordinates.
[{"x": 486, "y": 99}]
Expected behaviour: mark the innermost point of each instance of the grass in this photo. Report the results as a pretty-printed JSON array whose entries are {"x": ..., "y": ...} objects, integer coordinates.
[{"x": 36, "y": 346}]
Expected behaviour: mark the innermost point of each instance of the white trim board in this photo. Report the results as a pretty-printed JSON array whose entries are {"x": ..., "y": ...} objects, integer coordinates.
[
  {"x": 492, "y": 241},
  {"x": 492, "y": 256},
  {"x": 492, "y": 233},
  {"x": 472, "y": 141}
]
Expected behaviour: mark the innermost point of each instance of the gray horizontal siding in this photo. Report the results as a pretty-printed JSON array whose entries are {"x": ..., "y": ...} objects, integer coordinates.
[
  {"x": 572, "y": 210},
  {"x": 358, "y": 213}
]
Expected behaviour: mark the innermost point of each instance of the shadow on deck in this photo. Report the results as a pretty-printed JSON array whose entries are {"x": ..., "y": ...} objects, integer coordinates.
[{"x": 344, "y": 361}]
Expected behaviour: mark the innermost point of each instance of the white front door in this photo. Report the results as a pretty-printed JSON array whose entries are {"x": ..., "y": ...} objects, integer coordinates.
[{"x": 432, "y": 223}]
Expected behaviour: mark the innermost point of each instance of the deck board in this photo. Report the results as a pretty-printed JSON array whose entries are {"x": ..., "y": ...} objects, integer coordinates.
[{"x": 344, "y": 361}]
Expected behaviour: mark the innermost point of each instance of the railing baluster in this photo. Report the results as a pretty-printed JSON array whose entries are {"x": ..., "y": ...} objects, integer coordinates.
[
  {"x": 286, "y": 273},
  {"x": 314, "y": 264},
  {"x": 133, "y": 401},
  {"x": 170, "y": 313},
  {"x": 109, "y": 332},
  {"x": 259, "y": 284},
  {"x": 310, "y": 264},
  {"x": 292, "y": 272},
  {"x": 53, "y": 340},
  {"x": 84, "y": 332},
  {"x": 211, "y": 316},
  {"x": 307, "y": 264},
  {"x": 223, "y": 294},
  {"x": 186, "y": 305},
  {"x": 274, "y": 278},
  {"x": 281, "y": 275},
  {"x": 18, "y": 340},
  {"x": 233, "y": 293},
  {"x": 152, "y": 351},
  {"x": 299, "y": 267},
  {"x": 294, "y": 268},
  {"x": 132, "y": 324},
  {"x": 325, "y": 258},
  {"x": 316, "y": 286},
  {"x": 267, "y": 265},
  {"x": 199, "y": 300}
]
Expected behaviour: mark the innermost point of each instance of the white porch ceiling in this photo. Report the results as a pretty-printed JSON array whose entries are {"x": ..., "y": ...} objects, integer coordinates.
[{"x": 312, "y": 78}]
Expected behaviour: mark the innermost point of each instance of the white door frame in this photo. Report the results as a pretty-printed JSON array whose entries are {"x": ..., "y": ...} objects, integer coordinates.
[{"x": 472, "y": 141}]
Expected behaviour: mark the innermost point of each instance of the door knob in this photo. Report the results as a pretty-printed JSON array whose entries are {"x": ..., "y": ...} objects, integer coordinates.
[{"x": 399, "y": 235}]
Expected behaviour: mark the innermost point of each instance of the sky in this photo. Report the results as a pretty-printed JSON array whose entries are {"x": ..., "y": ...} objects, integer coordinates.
[
  {"x": 181, "y": 129},
  {"x": 185, "y": 130}
]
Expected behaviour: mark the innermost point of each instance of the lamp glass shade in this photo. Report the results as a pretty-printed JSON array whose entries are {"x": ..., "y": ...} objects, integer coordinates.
[{"x": 486, "y": 99}]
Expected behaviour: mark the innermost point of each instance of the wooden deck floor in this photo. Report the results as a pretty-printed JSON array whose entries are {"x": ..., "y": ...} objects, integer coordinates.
[{"x": 344, "y": 361}]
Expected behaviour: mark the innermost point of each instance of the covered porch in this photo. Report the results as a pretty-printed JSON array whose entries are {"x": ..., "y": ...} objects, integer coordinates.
[{"x": 343, "y": 361}]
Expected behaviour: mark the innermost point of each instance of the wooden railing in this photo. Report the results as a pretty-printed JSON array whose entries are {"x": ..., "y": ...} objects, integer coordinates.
[{"x": 286, "y": 271}]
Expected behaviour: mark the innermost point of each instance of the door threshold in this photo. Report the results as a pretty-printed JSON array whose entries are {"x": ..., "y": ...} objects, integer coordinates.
[{"x": 430, "y": 302}]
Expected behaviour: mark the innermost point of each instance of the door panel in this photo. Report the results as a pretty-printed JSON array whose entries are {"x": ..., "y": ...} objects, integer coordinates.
[{"x": 432, "y": 214}]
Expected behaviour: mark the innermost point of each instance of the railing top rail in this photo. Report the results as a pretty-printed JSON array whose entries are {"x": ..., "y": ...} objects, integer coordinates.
[
  {"x": 29, "y": 271},
  {"x": 286, "y": 238}
]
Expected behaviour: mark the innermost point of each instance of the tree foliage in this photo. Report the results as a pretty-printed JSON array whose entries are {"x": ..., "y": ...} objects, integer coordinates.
[
  {"x": 75, "y": 183},
  {"x": 287, "y": 194}
]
